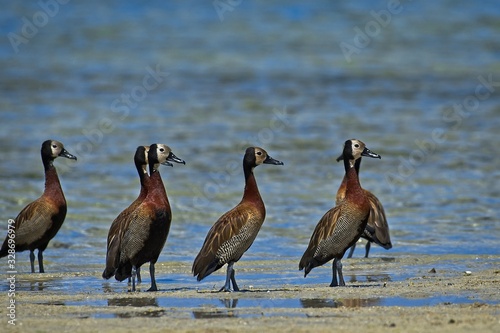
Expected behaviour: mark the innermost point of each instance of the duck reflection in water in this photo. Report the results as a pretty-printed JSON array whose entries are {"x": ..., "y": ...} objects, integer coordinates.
[
  {"x": 229, "y": 303},
  {"x": 37, "y": 286},
  {"x": 343, "y": 302},
  {"x": 133, "y": 301},
  {"x": 206, "y": 312},
  {"x": 370, "y": 278}
]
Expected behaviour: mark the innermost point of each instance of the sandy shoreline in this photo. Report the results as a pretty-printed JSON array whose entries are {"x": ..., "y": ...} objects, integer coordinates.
[{"x": 445, "y": 301}]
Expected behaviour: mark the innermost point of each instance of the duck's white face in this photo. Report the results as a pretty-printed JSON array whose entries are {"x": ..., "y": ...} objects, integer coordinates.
[
  {"x": 164, "y": 156},
  {"x": 163, "y": 152},
  {"x": 357, "y": 148},
  {"x": 260, "y": 155},
  {"x": 57, "y": 149}
]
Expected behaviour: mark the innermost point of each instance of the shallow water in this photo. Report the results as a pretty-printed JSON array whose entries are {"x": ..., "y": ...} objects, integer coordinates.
[
  {"x": 264, "y": 295},
  {"x": 228, "y": 307},
  {"x": 271, "y": 75}
]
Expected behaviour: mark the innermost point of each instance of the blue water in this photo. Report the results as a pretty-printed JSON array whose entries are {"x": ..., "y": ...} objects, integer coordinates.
[
  {"x": 232, "y": 303},
  {"x": 246, "y": 307},
  {"x": 271, "y": 74}
]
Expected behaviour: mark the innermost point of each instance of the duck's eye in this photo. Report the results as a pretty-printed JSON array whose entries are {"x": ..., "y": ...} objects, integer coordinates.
[
  {"x": 162, "y": 150},
  {"x": 54, "y": 146},
  {"x": 259, "y": 153},
  {"x": 356, "y": 145}
]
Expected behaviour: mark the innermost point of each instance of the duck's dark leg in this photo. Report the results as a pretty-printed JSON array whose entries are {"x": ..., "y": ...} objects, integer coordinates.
[
  {"x": 339, "y": 271},
  {"x": 138, "y": 273},
  {"x": 367, "y": 248},
  {"x": 139, "y": 280},
  {"x": 334, "y": 273},
  {"x": 32, "y": 261},
  {"x": 40, "y": 261},
  {"x": 351, "y": 251},
  {"x": 153, "y": 279},
  {"x": 229, "y": 278},
  {"x": 134, "y": 273},
  {"x": 233, "y": 280}
]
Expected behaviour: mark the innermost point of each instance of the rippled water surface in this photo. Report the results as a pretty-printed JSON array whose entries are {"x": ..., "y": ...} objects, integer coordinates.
[{"x": 105, "y": 77}]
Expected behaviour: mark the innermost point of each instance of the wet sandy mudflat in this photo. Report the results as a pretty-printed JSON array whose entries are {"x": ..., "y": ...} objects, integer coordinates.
[{"x": 403, "y": 294}]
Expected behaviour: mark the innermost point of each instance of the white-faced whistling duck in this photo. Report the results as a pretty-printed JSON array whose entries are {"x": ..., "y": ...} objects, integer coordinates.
[
  {"x": 40, "y": 221},
  {"x": 377, "y": 229},
  {"x": 119, "y": 225},
  {"x": 234, "y": 232},
  {"x": 341, "y": 226},
  {"x": 148, "y": 226}
]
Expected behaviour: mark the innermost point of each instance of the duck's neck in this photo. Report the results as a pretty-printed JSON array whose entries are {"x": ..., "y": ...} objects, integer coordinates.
[
  {"x": 343, "y": 186},
  {"x": 155, "y": 186},
  {"x": 352, "y": 185},
  {"x": 52, "y": 185},
  {"x": 144, "y": 179},
  {"x": 357, "y": 164},
  {"x": 341, "y": 191},
  {"x": 251, "y": 192}
]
